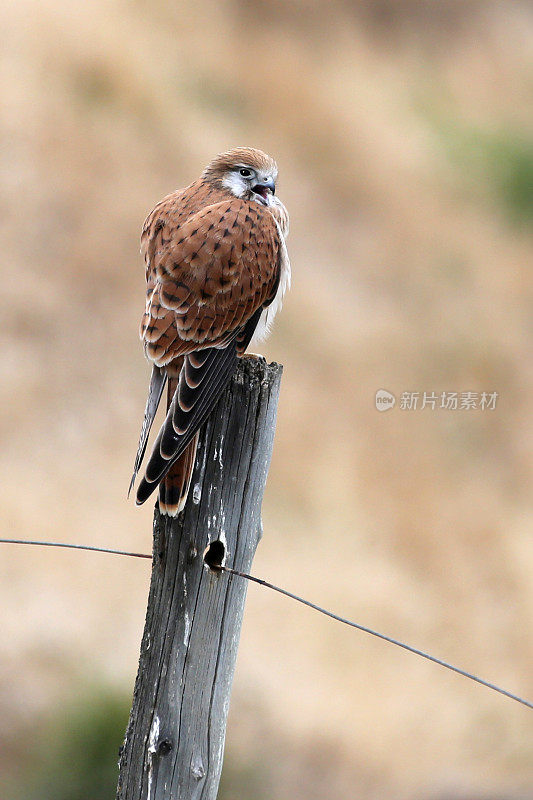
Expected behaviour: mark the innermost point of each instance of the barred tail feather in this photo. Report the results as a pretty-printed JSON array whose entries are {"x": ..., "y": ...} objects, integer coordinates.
[
  {"x": 203, "y": 377},
  {"x": 157, "y": 384},
  {"x": 185, "y": 417},
  {"x": 174, "y": 488}
]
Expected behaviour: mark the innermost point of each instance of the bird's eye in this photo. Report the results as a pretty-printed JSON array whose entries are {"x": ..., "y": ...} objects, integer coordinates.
[{"x": 245, "y": 172}]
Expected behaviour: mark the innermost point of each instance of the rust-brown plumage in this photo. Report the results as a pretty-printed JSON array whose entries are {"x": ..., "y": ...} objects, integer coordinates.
[{"x": 216, "y": 268}]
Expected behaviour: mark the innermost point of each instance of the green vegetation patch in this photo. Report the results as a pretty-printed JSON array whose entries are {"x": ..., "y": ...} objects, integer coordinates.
[
  {"x": 500, "y": 160},
  {"x": 73, "y": 754}
]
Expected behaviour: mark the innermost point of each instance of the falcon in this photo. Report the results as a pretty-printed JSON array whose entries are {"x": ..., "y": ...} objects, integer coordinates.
[{"x": 216, "y": 270}]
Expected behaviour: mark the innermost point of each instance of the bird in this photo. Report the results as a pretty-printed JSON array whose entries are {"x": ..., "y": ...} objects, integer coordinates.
[{"x": 217, "y": 268}]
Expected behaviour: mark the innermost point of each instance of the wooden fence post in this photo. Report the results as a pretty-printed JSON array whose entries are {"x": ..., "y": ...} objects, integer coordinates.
[{"x": 174, "y": 742}]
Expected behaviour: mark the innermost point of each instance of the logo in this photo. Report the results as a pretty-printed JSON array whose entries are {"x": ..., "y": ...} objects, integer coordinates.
[{"x": 384, "y": 400}]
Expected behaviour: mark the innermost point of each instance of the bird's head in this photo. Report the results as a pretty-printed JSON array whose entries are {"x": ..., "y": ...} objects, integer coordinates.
[{"x": 245, "y": 172}]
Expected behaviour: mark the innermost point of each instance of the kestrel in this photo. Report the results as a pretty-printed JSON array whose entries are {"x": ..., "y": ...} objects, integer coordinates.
[{"x": 216, "y": 271}]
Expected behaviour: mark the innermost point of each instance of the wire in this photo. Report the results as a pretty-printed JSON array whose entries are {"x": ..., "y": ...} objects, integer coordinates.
[
  {"x": 385, "y": 638},
  {"x": 77, "y": 547},
  {"x": 308, "y": 603}
]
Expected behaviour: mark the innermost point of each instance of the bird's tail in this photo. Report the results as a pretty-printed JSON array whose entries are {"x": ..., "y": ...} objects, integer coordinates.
[
  {"x": 174, "y": 487},
  {"x": 157, "y": 384}
]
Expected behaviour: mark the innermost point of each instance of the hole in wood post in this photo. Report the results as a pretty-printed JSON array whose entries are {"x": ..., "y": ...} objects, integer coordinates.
[
  {"x": 164, "y": 747},
  {"x": 214, "y": 555}
]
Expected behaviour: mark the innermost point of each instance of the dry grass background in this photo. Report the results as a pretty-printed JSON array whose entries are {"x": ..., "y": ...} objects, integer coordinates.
[{"x": 403, "y": 134}]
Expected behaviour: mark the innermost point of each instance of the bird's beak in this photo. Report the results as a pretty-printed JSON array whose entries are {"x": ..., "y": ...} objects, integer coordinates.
[
  {"x": 268, "y": 183},
  {"x": 263, "y": 188}
]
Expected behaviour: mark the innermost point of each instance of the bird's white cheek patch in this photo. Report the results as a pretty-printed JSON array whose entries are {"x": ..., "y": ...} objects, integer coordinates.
[{"x": 235, "y": 184}]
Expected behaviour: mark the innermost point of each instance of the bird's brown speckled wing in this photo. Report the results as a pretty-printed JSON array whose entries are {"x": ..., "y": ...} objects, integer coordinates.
[
  {"x": 210, "y": 272},
  {"x": 207, "y": 275}
]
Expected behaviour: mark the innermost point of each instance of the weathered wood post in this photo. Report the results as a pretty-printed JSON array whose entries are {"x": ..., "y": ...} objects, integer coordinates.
[{"x": 175, "y": 737}]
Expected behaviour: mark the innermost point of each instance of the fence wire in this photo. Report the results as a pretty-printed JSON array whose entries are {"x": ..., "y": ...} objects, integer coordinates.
[{"x": 298, "y": 599}]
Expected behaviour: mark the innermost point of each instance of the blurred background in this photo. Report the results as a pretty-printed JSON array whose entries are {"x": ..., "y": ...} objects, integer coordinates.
[{"x": 403, "y": 132}]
